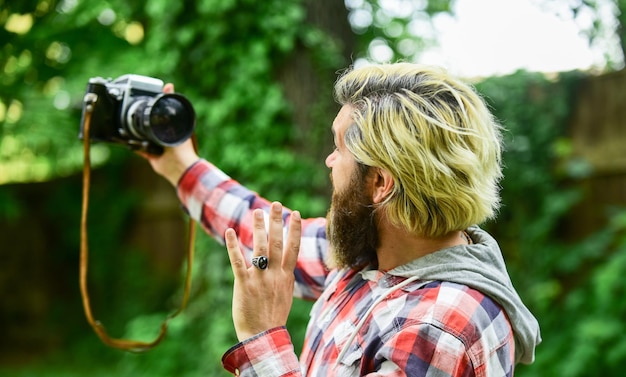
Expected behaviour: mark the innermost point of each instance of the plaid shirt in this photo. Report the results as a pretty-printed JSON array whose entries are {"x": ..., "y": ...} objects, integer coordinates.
[{"x": 364, "y": 322}]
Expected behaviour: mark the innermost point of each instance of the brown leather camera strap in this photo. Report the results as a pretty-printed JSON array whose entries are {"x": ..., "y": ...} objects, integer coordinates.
[{"x": 124, "y": 344}]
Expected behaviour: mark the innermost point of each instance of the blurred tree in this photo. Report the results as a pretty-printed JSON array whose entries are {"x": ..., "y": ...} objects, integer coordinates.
[{"x": 391, "y": 30}]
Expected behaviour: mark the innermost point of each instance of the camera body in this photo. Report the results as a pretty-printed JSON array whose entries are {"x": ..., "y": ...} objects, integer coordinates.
[{"x": 133, "y": 110}]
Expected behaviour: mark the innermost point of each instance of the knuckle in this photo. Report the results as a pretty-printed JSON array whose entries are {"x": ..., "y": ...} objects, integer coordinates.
[
  {"x": 262, "y": 249},
  {"x": 238, "y": 263}
]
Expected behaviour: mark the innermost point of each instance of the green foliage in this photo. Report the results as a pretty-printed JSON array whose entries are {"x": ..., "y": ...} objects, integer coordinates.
[
  {"x": 224, "y": 56},
  {"x": 221, "y": 54},
  {"x": 572, "y": 284},
  {"x": 403, "y": 28},
  {"x": 533, "y": 111}
]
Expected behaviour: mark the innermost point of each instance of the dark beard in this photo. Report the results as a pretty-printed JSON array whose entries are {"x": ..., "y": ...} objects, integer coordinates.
[{"x": 351, "y": 226}]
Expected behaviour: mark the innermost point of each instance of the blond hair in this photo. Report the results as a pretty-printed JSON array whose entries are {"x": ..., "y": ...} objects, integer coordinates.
[{"x": 434, "y": 135}]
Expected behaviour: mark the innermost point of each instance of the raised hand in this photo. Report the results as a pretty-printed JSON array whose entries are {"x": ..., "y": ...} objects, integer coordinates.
[{"x": 263, "y": 294}]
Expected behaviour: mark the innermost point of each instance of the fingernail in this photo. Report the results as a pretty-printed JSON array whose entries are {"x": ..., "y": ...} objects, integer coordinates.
[{"x": 295, "y": 215}]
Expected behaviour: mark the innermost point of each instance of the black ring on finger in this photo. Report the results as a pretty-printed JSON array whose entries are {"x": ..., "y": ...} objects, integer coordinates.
[{"x": 260, "y": 262}]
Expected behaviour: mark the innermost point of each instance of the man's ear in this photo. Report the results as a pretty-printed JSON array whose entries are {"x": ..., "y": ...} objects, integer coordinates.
[{"x": 382, "y": 185}]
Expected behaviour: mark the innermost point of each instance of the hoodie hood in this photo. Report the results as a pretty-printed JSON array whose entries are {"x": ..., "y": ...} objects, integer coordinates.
[{"x": 481, "y": 267}]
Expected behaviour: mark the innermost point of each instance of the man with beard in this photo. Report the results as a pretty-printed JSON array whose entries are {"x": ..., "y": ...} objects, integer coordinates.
[{"x": 405, "y": 282}]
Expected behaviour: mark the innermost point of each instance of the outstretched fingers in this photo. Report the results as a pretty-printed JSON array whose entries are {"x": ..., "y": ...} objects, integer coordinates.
[{"x": 282, "y": 254}]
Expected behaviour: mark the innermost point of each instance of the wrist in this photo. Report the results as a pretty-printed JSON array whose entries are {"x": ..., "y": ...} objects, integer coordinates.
[
  {"x": 179, "y": 168},
  {"x": 174, "y": 162}
]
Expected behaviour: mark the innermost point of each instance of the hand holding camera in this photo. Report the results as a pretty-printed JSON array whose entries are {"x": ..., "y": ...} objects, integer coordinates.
[
  {"x": 133, "y": 110},
  {"x": 175, "y": 160}
]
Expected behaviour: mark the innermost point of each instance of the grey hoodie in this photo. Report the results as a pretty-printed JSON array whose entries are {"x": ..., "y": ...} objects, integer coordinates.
[{"x": 480, "y": 266}]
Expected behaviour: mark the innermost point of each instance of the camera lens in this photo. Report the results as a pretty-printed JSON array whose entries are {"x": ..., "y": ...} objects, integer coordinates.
[{"x": 167, "y": 119}]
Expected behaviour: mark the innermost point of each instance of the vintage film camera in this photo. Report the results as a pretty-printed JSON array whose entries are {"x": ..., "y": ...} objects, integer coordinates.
[{"x": 133, "y": 110}]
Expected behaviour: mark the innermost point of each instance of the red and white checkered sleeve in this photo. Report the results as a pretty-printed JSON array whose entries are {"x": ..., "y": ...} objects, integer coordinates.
[
  {"x": 269, "y": 353},
  {"x": 218, "y": 202}
]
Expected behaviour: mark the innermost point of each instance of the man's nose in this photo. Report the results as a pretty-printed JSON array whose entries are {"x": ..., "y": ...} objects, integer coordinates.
[{"x": 330, "y": 159}]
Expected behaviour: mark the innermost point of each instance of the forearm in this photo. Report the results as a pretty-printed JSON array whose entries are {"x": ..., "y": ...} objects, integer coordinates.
[
  {"x": 218, "y": 202},
  {"x": 174, "y": 161}
]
